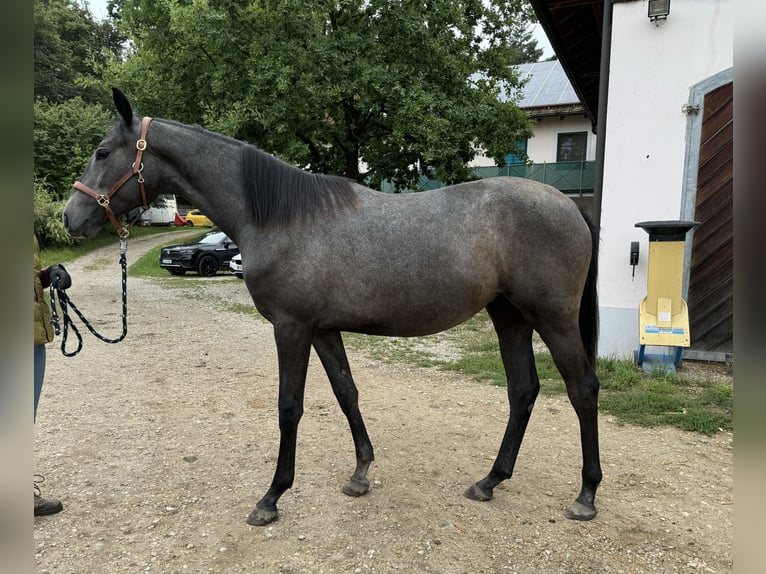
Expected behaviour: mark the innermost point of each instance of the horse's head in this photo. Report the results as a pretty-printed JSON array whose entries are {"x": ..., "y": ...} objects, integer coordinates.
[{"x": 112, "y": 183}]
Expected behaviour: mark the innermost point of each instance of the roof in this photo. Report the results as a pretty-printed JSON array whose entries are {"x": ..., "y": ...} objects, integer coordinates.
[
  {"x": 547, "y": 90},
  {"x": 573, "y": 28},
  {"x": 547, "y": 85}
]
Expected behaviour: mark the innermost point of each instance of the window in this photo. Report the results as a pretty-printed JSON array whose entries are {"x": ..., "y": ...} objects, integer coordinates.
[
  {"x": 572, "y": 146},
  {"x": 512, "y": 157}
]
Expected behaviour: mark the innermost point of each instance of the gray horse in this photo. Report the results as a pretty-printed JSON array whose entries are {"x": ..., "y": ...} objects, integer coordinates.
[{"x": 323, "y": 254}]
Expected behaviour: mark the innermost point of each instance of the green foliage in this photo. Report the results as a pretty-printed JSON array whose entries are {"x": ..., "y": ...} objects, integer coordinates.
[
  {"x": 546, "y": 368},
  {"x": 71, "y": 49},
  {"x": 481, "y": 366},
  {"x": 65, "y": 136},
  {"x": 617, "y": 374},
  {"x": 719, "y": 395},
  {"x": 71, "y": 105},
  {"x": 47, "y": 216},
  {"x": 701, "y": 407},
  {"x": 398, "y": 85}
]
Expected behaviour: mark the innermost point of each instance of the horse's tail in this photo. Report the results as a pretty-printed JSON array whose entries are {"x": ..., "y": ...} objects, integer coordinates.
[{"x": 589, "y": 301}]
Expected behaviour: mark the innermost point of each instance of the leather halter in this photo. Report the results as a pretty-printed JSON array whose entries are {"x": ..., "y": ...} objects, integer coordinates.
[{"x": 136, "y": 169}]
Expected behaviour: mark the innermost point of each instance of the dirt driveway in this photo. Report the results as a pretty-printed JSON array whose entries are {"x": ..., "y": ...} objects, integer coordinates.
[{"x": 160, "y": 446}]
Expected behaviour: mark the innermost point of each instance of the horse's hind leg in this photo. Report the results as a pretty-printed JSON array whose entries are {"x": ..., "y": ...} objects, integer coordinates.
[
  {"x": 582, "y": 385},
  {"x": 329, "y": 347},
  {"x": 515, "y": 338}
]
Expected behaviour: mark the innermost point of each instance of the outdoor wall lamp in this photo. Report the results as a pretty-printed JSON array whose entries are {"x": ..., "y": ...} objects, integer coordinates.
[{"x": 658, "y": 10}]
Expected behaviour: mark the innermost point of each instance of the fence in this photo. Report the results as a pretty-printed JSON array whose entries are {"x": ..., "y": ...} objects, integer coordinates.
[{"x": 570, "y": 177}]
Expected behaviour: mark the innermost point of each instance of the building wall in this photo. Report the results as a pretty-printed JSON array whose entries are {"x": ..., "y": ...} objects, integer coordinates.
[
  {"x": 541, "y": 148},
  {"x": 652, "y": 68}
]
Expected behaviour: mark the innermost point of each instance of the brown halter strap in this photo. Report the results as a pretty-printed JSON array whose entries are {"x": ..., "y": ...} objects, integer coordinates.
[{"x": 136, "y": 169}]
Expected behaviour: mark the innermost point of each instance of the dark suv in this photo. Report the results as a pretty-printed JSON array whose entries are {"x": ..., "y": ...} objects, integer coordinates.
[{"x": 205, "y": 255}]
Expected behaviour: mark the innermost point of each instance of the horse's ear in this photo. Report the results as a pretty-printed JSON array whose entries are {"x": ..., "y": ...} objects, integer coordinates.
[{"x": 123, "y": 106}]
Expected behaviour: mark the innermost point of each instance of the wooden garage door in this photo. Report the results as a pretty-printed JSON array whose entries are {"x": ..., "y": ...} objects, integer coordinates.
[{"x": 711, "y": 284}]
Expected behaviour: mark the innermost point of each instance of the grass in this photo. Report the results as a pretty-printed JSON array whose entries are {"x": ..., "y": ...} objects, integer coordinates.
[
  {"x": 49, "y": 256},
  {"x": 663, "y": 398},
  {"x": 148, "y": 264},
  {"x": 691, "y": 401}
]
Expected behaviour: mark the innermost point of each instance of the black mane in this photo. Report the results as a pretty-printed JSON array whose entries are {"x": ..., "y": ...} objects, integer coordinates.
[{"x": 277, "y": 193}]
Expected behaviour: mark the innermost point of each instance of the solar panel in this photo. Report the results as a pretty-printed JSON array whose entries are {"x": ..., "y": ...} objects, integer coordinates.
[{"x": 547, "y": 85}]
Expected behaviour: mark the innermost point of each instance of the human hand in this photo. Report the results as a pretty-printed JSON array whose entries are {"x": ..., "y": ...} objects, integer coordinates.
[{"x": 59, "y": 277}]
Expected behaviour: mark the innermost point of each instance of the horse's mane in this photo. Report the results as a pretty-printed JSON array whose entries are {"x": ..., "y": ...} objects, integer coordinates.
[{"x": 276, "y": 193}]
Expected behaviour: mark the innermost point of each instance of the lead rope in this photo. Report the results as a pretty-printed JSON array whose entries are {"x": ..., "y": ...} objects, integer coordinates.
[{"x": 65, "y": 302}]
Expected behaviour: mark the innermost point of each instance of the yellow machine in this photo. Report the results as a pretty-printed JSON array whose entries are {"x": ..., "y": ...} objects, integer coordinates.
[{"x": 663, "y": 314}]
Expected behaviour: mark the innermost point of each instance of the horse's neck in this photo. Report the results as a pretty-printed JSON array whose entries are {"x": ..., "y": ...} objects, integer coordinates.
[{"x": 204, "y": 170}]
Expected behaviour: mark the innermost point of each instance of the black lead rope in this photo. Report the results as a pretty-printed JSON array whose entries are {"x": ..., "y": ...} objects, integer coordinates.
[{"x": 65, "y": 302}]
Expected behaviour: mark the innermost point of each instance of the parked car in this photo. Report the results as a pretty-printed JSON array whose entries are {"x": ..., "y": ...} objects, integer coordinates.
[
  {"x": 235, "y": 265},
  {"x": 195, "y": 218},
  {"x": 205, "y": 255},
  {"x": 161, "y": 211}
]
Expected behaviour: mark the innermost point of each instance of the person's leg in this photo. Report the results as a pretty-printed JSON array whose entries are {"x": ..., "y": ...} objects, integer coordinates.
[
  {"x": 43, "y": 506},
  {"x": 39, "y": 373}
]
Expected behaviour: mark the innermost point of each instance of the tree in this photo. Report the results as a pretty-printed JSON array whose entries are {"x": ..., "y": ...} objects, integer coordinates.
[
  {"x": 71, "y": 108},
  {"x": 70, "y": 50},
  {"x": 398, "y": 86},
  {"x": 65, "y": 136},
  {"x": 47, "y": 212}
]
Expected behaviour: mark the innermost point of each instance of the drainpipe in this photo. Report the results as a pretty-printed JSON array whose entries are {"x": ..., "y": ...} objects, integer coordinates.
[{"x": 603, "y": 97}]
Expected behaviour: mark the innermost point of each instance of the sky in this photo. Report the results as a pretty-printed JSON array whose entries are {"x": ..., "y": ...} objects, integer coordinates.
[
  {"x": 542, "y": 41},
  {"x": 98, "y": 9}
]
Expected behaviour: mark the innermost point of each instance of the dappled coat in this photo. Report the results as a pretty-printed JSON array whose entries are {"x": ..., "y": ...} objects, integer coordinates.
[{"x": 43, "y": 327}]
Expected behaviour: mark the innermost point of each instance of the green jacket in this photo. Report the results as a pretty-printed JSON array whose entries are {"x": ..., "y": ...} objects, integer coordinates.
[{"x": 43, "y": 327}]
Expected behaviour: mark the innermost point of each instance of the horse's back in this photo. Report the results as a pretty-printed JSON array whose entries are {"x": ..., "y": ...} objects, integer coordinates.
[
  {"x": 524, "y": 238},
  {"x": 507, "y": 216},
  {"x": 412, "y": 264},
  {"x": 516, "y": 200}
]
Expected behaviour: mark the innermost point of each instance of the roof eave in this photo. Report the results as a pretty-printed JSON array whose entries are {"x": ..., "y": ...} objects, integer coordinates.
[
  {"x": 573, "y": 28},
  {"x": 558, "y": 110}
]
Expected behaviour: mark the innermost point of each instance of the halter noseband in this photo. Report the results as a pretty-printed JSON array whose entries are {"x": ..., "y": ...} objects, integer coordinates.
[{"x": 136, "y": 169}]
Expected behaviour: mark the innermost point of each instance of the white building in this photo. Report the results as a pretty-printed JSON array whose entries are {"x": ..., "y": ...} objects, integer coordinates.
[
  {"x": 563, "y": 147},
  {"x": 659, "y": 92}
]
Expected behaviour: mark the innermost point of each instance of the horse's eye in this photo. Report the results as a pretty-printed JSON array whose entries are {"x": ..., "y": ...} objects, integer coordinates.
[{"x": 102, "y": 154}]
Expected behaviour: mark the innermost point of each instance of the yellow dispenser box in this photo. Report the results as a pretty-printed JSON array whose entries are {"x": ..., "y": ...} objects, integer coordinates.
[{"x": 663, "y": 314}]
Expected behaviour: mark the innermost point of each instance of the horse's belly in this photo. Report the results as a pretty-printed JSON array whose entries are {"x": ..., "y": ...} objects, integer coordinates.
[{"x": 403, "y": 313}]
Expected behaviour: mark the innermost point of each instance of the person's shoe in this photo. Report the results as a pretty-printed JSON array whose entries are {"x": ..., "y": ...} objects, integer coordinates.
[{"x": 45, "y": 506}]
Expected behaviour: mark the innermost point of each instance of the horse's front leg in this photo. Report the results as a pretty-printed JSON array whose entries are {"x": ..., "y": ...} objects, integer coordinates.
[
  {"x": 329, "y": 347},
  {"x": 293, "y": 348}
]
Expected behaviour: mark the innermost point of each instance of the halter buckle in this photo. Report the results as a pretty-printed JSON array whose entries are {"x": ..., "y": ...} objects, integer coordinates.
[
  {"x": 102, "y": 200},
  {"x": 141, "y": 145}
]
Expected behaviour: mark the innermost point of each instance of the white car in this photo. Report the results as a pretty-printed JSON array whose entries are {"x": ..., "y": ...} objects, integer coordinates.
[{"x": 235, "y": 265}]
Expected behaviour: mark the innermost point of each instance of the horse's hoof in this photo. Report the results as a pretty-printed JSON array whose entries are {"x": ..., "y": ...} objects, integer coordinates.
[
  {"x": 580, "y": 511},
  {"x": 356, "y": 487},
  {"x": 476, "y": 492},
  {"x": 262, "y": 517}
]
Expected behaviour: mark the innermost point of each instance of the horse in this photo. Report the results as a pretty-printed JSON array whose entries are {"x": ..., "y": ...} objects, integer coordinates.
[{"x": 322, "y": 255}]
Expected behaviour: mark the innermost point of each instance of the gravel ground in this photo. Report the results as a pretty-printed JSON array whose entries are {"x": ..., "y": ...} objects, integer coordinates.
[{"x": 160, "y": 446}]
